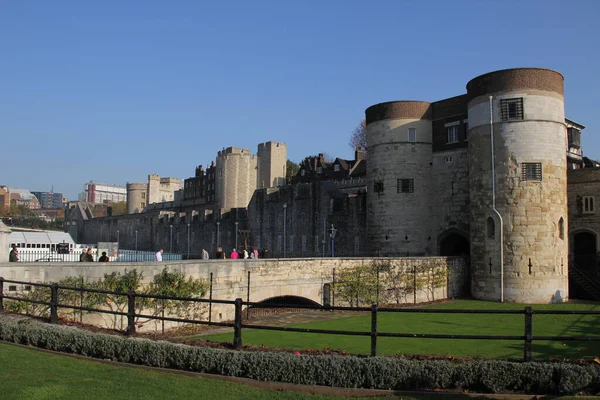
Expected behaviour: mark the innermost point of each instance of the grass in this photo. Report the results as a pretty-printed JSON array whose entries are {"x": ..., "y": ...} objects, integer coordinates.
[{"x": 473, "y": 324}]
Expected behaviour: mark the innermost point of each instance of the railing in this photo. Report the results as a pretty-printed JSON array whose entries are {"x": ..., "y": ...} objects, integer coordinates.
[
  {"x": 238, "y": 324},
  {"x": 123, "y": 256}
]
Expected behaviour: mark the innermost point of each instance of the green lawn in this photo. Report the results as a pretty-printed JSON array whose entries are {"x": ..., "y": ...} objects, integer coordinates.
[{"x": 474, "y": 324}]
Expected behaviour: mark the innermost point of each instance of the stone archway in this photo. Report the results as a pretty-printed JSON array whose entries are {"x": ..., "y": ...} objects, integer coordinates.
[{"x": 454, "y": 244}]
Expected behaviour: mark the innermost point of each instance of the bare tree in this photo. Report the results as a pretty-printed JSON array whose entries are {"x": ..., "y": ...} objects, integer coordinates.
[{"x": 359, "y": 136}]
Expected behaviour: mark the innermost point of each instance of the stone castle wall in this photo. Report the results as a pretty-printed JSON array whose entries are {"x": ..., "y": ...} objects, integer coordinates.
[
  {"x": 268, "y": 278},
  {"x": 237, "y": 169}
]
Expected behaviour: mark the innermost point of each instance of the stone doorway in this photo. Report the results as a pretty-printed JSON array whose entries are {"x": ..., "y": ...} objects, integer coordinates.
[{"x": 454, "y": 244}]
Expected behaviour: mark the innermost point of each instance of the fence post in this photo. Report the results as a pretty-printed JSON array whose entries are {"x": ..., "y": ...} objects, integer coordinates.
[
  {"x": 81, "y": 301},
  {"x": 130, "y": 312},
  {"x": 237, "y": 325},
  {"x": 210, "y": 298},
  {"x": 1, "y": 294},
  {"x": 528, "y": 333},
  {"x": 377, "y": 288},
  {"x": 248, "y": 298},
  {"x": 373, "y": 330},
  {"x": 53, "y": 303}
]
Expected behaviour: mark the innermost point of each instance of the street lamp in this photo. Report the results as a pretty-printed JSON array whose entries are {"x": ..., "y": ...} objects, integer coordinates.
[
  {"x": 236, "y": 237},
  {"x": 171, "y": 247},
  {"x": 218, "y": 226},
  {"x": 188, "y": 245},
  {"x": 136, "y": 237},
  {"x": 284, "y": 227},
  {"x": 332, "y": 232}
]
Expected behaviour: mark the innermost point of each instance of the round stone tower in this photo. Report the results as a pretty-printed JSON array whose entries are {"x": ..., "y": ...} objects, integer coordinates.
[
  {"x": 136, "y": 197},
  {"x": 399, "y": 155},
  {"x": 519, "y": 248}
]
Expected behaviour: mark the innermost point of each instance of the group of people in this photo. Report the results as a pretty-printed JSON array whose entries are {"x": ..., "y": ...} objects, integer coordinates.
[
  {"x": 88, "y": 256},
  {"x": 235, "y": 254}
]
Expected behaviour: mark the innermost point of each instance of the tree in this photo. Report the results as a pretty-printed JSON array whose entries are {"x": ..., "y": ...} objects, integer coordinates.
[
  {"x": 359, "y": 136},
  {"x": 291, "y": 169},
  {"x": 119, "y": 208}
]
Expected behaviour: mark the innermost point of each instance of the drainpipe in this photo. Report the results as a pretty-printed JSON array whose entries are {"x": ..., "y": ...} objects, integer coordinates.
[{"x": 494, "y": 201}]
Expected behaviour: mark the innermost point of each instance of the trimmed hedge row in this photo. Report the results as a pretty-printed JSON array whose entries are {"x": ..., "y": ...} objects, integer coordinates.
[{"x": 326, "y": 370}]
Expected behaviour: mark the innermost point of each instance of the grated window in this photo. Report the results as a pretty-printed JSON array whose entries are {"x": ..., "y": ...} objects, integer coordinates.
[
  {"x": 531, "y": 171},
  {"x": 452, "y": 134},
  {"x": 511, "y": 109},
  {"x": 406, "y": 186}
]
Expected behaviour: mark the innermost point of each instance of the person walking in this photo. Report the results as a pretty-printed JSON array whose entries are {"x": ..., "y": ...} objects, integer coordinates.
[
  {"x": 245, "y": 254},
  {"x": 234, "y": 255},
  {"x": 83, "y": 255},
  {"x": 205, "y": 254},
  {"x": 13, "y": 256},
  {"x": 158, "y": 255}
]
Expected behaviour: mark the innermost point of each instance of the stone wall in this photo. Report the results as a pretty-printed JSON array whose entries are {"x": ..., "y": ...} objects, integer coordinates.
[
  {"x": 583, "y": 183},
  {"x": 269, "y": 278},
  {"x": 237, "y": 170}
]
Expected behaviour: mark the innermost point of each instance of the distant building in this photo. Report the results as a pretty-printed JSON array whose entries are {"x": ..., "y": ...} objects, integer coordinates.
[
  {"x": 17, "y": 197},
  {"x": 157, "y": 190},
  {"x": 237, "y": 173},
  {"x": 100, "y": 193},
  {"x": 49, "y": 199},
  {"x": 316, "y": 168}
]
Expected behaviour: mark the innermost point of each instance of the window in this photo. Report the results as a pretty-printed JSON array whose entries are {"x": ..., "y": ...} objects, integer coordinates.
[
  {"x": 452, "y": 134},
  {"x": 448, "y": 159},
  {"x": 588, "y": 205},
  {"x": 319, "y": 170},
  {"x": 412, "y": 134},
  {"x": 406, "y": 185},
  {"x": 531, "y": 171},
  {"x": 491, "y": 228},
  {"x": 336, "y": 167},
  {"x": 378, "y": 186},
  {"x": 143, "y": 195},
  {"x": 561, "y": 228},
  {"x": 511, "y": 109},
  {"x": 143, "y": 204}
]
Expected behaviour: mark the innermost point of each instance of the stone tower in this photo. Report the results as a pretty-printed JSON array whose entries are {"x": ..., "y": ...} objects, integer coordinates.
[
  {"x": 520, "y": 252},
  {"x": 236, "y": 177},
  {"x": 136, "y": 197},
  {"x": 399, "y": 135},
  {"x": 272, "y": 160}
]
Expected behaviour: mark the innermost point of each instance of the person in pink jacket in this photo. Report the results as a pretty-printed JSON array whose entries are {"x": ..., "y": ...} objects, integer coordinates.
[{"x": 234, "y": 255}]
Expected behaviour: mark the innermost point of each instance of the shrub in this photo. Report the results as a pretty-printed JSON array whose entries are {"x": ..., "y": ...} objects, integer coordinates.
[{"x": 325, "y": 370}]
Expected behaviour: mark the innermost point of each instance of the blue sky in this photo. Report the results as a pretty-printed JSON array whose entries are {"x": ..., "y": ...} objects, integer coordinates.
[{"x": 112, "y": 91}]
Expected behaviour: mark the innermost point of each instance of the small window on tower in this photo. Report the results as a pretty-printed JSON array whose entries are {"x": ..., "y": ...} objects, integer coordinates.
[
  {"x": 412, "y": 134},
  {"x": 531, "y": 171},
  {"x": 588, "y": 205},
  {"x": 491, "y": 228},
  {"x": 378, "y": 186},
  {"x": 511, "y": 109},
  {"x": 336, "y": 167},
  {"x": 406, "y": 186},
  {"x": 452, "y": 134}
]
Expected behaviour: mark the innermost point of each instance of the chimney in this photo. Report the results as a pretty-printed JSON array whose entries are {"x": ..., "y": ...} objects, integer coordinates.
[{"x": 359, "y": 154}]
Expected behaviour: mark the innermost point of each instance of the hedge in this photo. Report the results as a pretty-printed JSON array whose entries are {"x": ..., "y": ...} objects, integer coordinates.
[{"x": 483, "y": 376}]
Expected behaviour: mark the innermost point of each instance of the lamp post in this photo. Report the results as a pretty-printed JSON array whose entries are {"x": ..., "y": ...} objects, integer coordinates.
[
  {"x": 236, "y": 233},
  {"x": 218, "y": 231},
  {"x": 117, "y": 237},
  {"x": 136, "y": 254},
  {"x": 171, "y": 246},
  {"x": 284, "y": 228},
  {"x": 118, "y": 244},
  {"x": 332, "y": 232},
  {"x": 188, "y": 245}
]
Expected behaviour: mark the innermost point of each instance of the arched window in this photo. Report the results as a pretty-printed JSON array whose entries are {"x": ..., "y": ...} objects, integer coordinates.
[
  {"x": 561, "y": 228},
  {"x": 491, "y": 228}
]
